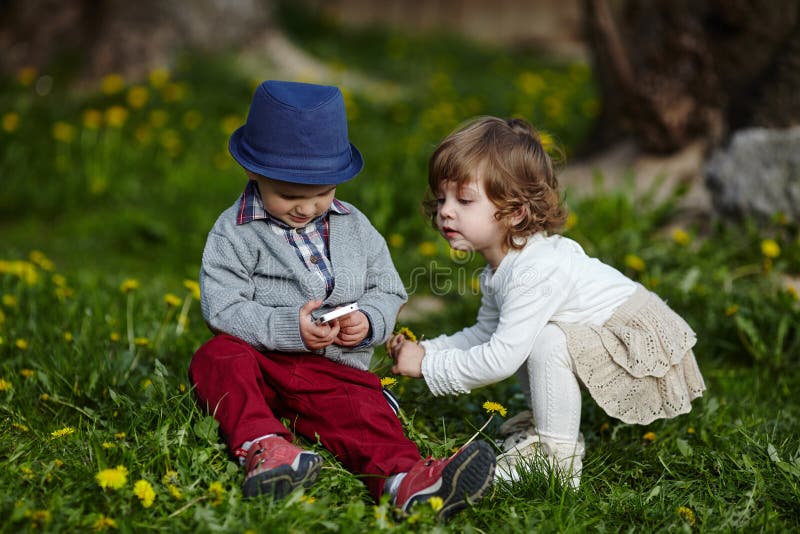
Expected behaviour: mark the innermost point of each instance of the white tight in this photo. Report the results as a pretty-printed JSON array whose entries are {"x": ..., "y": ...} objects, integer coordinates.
[{"x": 549, "y": 382}]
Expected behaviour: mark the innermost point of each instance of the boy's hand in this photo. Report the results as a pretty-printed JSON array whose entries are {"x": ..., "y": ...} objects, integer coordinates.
[
  {"x": 407, "y": 356},
  {"x": 353, "y": 329},
  {"x": 314, "y": 336}
]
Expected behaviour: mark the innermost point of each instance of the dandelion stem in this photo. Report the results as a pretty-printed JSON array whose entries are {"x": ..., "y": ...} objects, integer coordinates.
[
  {"x": 476, "y": 434},
  {"x": 187, "y": 506},
  {"x": 131, "y": 337},
  {"x": 182, "y": 317}
]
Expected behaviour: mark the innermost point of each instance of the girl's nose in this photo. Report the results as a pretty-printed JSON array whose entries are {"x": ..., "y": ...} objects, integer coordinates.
[{"x": 446, "y": 210}]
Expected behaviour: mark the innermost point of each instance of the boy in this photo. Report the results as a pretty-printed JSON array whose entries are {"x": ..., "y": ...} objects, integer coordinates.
[{"x": 284, "y": 252}]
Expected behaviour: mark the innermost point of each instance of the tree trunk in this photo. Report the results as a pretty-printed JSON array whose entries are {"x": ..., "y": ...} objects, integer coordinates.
[{"x": 673, "y": 71}]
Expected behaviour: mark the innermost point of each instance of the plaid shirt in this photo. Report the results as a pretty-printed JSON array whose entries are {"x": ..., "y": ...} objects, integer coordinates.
[{"x": 310, "y": 242}]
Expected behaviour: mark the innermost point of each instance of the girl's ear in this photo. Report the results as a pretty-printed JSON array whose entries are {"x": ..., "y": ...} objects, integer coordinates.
[{"x": 519, "y": 215}]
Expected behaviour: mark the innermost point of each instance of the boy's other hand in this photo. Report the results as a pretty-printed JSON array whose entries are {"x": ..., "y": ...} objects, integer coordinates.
[
  {"x": 407, "y": 356},
  {"x": 314, "y": 336},
  {"x": 353, "y": 329}
]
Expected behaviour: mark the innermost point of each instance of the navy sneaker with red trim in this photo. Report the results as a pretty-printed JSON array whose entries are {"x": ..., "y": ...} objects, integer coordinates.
[{"x": 459, "y": 480}]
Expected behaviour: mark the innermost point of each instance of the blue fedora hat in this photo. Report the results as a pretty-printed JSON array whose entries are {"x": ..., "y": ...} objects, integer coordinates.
[{"x": 297, "y": 132}]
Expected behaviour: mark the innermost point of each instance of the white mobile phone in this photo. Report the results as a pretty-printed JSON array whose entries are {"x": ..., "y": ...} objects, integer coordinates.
[{"x": 338, "y": 312}]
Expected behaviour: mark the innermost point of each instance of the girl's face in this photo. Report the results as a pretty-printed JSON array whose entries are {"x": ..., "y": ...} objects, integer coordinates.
[
  {"x": 465, "y": 217},
  {"x": 295, "y": 204}
]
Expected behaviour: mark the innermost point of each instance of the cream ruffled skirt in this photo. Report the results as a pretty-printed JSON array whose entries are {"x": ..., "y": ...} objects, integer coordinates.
[{"x": 638, "y": 366}]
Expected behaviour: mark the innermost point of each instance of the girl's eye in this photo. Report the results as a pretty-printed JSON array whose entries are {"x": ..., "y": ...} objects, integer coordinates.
[
  {"x": 440, "y": 201},
  {"x": 464, "y": 201}
]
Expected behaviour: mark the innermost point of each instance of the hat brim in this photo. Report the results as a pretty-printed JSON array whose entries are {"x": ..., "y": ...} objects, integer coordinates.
[{"x": 295, "y": 176}]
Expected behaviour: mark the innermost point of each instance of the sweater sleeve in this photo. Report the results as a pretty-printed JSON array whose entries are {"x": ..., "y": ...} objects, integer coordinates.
[
  {"x": 528, "y": 301},
  {"x": 227, "y": 291}
]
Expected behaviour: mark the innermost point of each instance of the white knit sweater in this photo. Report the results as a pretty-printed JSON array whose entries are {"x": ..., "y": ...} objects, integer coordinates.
[{"x": 550, "y": 280}]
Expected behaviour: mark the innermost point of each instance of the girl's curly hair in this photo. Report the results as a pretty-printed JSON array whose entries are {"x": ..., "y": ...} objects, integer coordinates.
[{"x": 516, "y": 172}]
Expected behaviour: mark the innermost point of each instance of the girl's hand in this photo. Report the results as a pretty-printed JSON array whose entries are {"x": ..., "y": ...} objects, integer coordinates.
[
  {"x": 407, "y": 356},
  {"x": 353, "y": 329},
  {"x": 314, "y": 336}
]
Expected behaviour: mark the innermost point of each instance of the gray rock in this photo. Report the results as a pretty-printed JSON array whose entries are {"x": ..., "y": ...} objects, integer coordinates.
[{"x": 757, "y": 175}]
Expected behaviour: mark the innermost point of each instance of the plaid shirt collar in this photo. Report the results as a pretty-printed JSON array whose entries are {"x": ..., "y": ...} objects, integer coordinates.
[{"x": 251, "y": 208}]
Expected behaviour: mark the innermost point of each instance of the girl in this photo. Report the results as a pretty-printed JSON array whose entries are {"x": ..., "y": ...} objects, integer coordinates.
[{"x": 549, "y": 313}]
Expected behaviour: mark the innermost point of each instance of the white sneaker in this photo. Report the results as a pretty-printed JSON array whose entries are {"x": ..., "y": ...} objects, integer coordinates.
[{"x": 536, "y": 452}]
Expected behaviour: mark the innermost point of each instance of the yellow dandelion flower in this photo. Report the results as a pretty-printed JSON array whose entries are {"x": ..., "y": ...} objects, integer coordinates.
[
  {"x": 427, "y": 248},
  {"x": 112, "y": 478},
  {"x": 690, "y": 430},
  {"x": 388, "y": 381},
  {"x": 92, "y": 119},
  {"x": 175, "y": 491},
  {"x": 680, "y": 237},
  {"x": 686, "y": 514},
  {"x": 114, "y": 336},
  {"x": 120, "y": 435},
  {"x": 10, "y": 301},
  {"x": 44, "y": 397},
  {"x": 217, "y": 492},
  {"x": 144, "y": 490},
  {"x": 547, "y": 141},
  {"x": 116, "y": 116},
  {"x": 40, "y": 518},
  {"x": 396, "y": 240},
  {"x": 68, "y": 337},
  {"x": 10, "y": 122},
  {"x": 770, "y": 248},
  {"x": 63, "y": 132},
  {"x": 108, "y": 445},
  {"x": 20, "y": 427},
  {"x": 649, "y": 436},
  {"x": 634, "y": 262},
  {"x": 158, "y": 77},
  {"x": 193, "y": 287},
  {"x": 170, "y": 477},
  {"x": 731, "y": 310},
  {"x": 21, "y": 344},
  {"x": 182, "y": 388},
  {"x": 62, "y": 432},
  {"x": 230, "y": 123},
  {"x": 530, "y": 83},
  {"x": 307, "y": 499},
  {"x": 2, "y": 319},
  {"x": 173, "y": 92},
  {"x": 604, "y": 427},
  {"x": 158, "y": 118},
  {"x": 572, "y": 220},
  {"x": 436, "y": 503},
  {"x": 141, "y": 342},
  {"x": 146, "y": 383},
  {"x": 103, "y": 523},
  {"x": 26, "y": 75},
  {"x": 172, "y": 300},
  {"x": 5, "y": 385},
  {"x": 789, "y": 289},
  {"x": 407, "y": 333},
  {"x": 495, "y": 407},
  {"x": 128, "y": 285},
  {"x": 112, "y": 84},
  {"x": 59, "y": 280},
  {"x": 57, "y": 463},
  {"x": 137, "y": 96}
]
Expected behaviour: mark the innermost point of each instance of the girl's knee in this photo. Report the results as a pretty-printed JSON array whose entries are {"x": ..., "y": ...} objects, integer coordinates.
[{"x": 550, "y": 347}]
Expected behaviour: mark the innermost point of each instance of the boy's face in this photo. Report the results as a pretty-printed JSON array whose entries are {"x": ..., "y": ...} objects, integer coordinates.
[{"x": 295, "y": 204}]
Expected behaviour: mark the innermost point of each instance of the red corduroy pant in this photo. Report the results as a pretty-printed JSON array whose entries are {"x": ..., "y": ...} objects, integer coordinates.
[{"x": 249, "y": 391}]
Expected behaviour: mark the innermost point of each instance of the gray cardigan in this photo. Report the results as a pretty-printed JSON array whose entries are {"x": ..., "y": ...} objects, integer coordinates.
[{"x": 253, "y": 283}]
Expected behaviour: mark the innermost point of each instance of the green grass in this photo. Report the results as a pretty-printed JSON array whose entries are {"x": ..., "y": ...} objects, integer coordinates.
[{"x": 93, "y": 377}]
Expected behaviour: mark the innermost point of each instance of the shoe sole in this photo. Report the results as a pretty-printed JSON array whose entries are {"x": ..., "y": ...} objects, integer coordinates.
[
  {"x": 282, "y": 480},
  {"x": 465, "y": 479}
]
